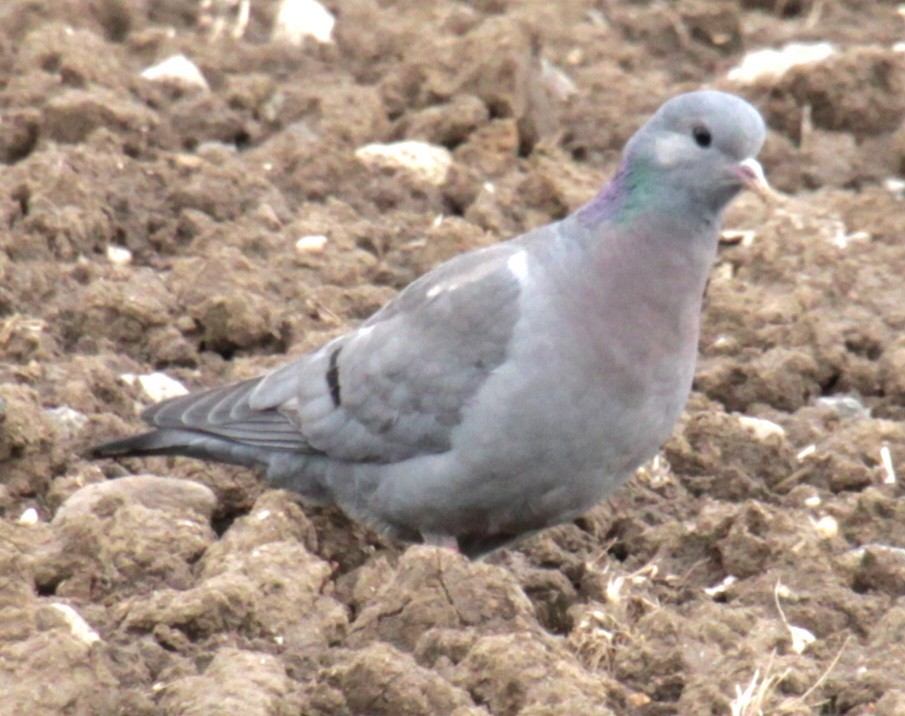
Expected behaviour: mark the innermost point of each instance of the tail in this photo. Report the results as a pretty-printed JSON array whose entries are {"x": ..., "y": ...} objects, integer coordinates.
[
  {"x": 189, "y": 443},
  {"x": 217, "y": 424},
  {"x": 295, "y": 470},
  {"x": 235, "y": 425}
]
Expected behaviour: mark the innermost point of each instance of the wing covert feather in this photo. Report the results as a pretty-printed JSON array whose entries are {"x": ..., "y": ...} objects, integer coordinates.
[{"x": 406, "y": 374}]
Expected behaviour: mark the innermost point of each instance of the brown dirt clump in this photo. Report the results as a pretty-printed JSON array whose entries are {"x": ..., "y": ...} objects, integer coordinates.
[{"x": 152, "y": 226}]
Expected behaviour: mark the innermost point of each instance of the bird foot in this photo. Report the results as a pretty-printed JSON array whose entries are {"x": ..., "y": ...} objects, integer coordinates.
[{"x": 438, "y": 539}]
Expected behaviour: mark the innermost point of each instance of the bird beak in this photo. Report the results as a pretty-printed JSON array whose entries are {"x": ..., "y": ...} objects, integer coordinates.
[{"x": 752, "y": 177}]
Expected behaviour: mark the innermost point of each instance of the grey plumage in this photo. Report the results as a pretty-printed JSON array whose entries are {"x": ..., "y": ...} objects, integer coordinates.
[{"x": 513, "y": 387}]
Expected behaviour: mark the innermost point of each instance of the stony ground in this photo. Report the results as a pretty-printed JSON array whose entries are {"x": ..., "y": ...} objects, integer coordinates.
[{"x": 758, "y": 566}]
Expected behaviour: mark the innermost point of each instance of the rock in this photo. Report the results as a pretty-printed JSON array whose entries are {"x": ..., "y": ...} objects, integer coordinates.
[
  {"x": 186, "y": 498},
  {"x": 156, "y": 386},
  {"x": 69, "y": 422},
  {"x": 847, "y": 407},
  {"x": 178, "y": 70},
  {"x": 119, "y": 256},
  {"x": 312, "y": 244},
  {"x": 426, "y": 162},
  {"x": 762, "y": 429},
  {"x": 300, "y": 19},
  {"x": 768, "y": 65}
]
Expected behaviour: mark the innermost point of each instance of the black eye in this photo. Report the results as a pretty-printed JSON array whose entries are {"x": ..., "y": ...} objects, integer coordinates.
[{"x": 701, "y": 135}]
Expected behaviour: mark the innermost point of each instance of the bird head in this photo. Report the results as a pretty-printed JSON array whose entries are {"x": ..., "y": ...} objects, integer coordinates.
[{"x": 702, "y": 147}]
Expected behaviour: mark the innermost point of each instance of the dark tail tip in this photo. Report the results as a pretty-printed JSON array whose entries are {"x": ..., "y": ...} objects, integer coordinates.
[{"x": 143, "y": 444}]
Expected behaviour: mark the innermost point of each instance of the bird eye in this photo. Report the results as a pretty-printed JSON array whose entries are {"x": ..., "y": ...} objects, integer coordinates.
[{"x": 701, "y": 135}]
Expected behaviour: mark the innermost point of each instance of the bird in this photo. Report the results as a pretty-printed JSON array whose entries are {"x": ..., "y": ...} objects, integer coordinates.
[{"x": 513, "y": 387}]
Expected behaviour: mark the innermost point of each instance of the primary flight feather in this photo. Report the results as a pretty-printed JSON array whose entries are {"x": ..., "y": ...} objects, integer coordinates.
[{"x": 513, "y": 387}]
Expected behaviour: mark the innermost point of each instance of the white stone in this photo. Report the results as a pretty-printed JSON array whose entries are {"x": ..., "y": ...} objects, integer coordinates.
[
  {"x": 29, "y": 517},
  {"x": 827, "y": 527},
  {"x": 424, "y": 161},
  {"x": 157, "y": 386},
  {"x": 894, "y": 185},
  {"x": 298, "y": 19},
  {"x": 761, "y": 428},
  {"x": 806, "y": 452},
  {"x": 79, "y": 628},
  {"x": 738, "y": 236},
  {"x": 889, "y": 470},
  {"x": 801, "y": 638},
  {"x": 845, "y": 406},
  {"x": 770, "y": 64},
  {"x": 314, "y": 244},
  {"x": 68, "y": 420},
  {"x": 178, "y": 69},
  {"x": 119, "y": 256},
  {"x": 719, "y": 589},
  {"x": 813, "y": 501},
  {"x": 557, "y": 82}
]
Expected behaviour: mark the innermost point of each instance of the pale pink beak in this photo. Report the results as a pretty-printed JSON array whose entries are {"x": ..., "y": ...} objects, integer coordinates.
[{"x": 752, "y": 175}]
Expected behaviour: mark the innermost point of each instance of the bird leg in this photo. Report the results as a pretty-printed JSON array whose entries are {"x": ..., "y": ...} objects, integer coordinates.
[{"x": 439, "y": 539}]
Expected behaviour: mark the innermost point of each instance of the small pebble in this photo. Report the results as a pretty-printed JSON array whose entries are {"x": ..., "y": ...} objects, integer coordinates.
[
  {"x": 770, "y": 64},
  {"x": 762, "y": 429},
  {"x": 731, "y": 237},
  {"x": 157, "y": 386},
  {"x": 314, "y": 244},
  {"x": 119, "y": 256},
  {"x": 177, "y": 69},
  {"x": 719, "y": 589},
  {"x": 68, "y": 420},
  {"x": 805, "y": 453},
  {"x": 845, "y": 406},
  {"x": 298, "y": 19},
  {"x": 427, "y": 162},
  {"x": 827, "y": 527}
]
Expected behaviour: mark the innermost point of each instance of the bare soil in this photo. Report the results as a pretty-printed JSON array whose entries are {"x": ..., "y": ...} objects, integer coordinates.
[{"x": 746, "y": 558}]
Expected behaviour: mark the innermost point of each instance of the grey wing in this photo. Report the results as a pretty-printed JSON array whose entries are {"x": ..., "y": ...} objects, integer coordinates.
[
  {"x": 396, "y": 387},
  {"x": 392, "y": 389}
]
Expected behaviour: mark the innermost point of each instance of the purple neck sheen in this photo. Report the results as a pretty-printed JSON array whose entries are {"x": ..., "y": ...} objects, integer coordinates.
[{"x": 618, "y": 200}]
